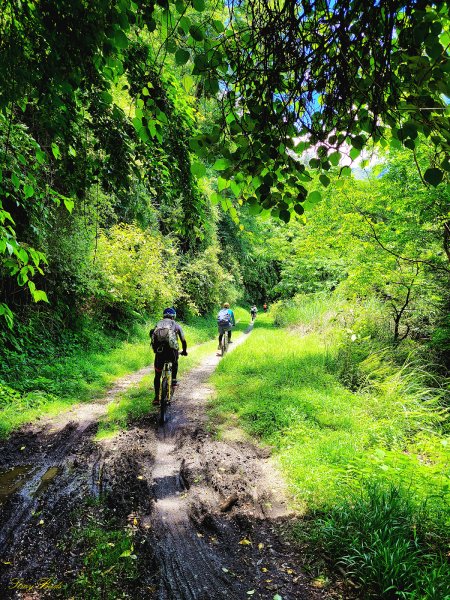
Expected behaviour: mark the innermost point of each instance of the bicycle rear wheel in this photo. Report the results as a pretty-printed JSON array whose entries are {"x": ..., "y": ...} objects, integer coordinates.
[{"x": 164, "y": 400}]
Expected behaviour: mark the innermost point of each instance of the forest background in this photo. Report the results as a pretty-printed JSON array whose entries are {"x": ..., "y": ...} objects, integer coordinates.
[{"x": 171, "y": 153}]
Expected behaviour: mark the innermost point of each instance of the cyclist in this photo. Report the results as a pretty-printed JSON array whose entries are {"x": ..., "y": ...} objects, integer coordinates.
[
  {"x": 225, "y": 321},
  {"x": 164, "y": 337},
  {"x": 265, "y": 307},
  {"x": 253, "y": 312}
]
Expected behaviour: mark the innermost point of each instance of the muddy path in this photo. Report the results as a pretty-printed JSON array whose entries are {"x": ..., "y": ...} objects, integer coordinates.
[{"x": 203, "y": 515}]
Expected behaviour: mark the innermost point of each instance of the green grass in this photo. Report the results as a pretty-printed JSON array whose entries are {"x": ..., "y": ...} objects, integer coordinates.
[
  {"x": 382, "y": 537},
  {"x": 108, "y": 562},
  {"x": 332, "y": 443},
  {"x": 51, "y": 384}
]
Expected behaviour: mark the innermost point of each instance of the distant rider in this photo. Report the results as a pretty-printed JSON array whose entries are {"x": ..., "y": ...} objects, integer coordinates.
[
  {"x": 265, "y": 307},
  {"x": 225, "y": 321},
  {"x": 164, "y": 337},
  {"x": 253, "y": 312}
]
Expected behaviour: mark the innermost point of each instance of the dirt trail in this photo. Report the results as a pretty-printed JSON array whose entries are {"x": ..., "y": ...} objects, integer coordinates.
[{"x": 204, "y": 513}]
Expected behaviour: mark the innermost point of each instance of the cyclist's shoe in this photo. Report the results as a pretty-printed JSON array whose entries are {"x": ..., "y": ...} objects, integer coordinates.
[
  {"x": 230, "y": 341},
  {"x": 156, "y": 402},
  {"x": 174, "y": 383}
]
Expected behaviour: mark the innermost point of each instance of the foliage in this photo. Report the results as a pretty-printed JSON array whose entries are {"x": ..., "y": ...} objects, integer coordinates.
[
  {"x": 138, "y": 269},
  {"x": 386, "y": 543},
  {"x": 207, "y": 282}
]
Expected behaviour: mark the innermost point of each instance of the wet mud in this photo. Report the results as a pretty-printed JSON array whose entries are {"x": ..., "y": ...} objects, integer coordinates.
[{"x": 204, "y": 515}]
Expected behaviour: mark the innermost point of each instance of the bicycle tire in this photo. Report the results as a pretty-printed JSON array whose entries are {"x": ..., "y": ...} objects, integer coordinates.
[
  {"x": 225, "y": 337},
  {"x": 164, "y": 399}
]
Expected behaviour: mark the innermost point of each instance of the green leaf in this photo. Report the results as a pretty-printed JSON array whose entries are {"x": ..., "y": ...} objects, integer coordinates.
[
  {"x": 346, "y": 172},
  {"x": 199, "y": 5},
  {"x": 15, "y": 181},
  {"x": 198, "y": 169},
  {"x": 235, "y": 188},
  {"x": 222, "y": 184},
  {"x": 285, "y": 215},
  {"x": 334, "y": 158},
  {"x": 180, "y": 7},
  {"x": 188, "y": 83},
  {"x": 221, "y": 164},
  {"x": 55, "y": 151},
  {"x": 314, "y": 197},
  {"x": 69, "y": 204},
  {"x": 120, "y": 39},
  {"x": 106, "y": 97},
  {"x": 299, "y": 209},
  {"x": 324, "y": 180},
  {"x": 215, "y": 198},
  {"x": 218, "y": 26},
  {"x": 358, "y": 142},
  {"x": 41, "y": 157},
  {"x": 28, "y": 191},
  {"x": 196, "y": 33},
  {"x": 182, "y": 56},
  {"x": 433, "y": 176},
  {"x": 354, "y": 153}
]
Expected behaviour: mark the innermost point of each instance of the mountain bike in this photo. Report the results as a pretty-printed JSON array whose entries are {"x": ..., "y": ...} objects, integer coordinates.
[{"x": 165, "y": 391}]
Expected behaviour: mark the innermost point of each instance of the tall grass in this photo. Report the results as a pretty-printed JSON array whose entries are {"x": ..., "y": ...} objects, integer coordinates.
[
  {"x": 349, "y": 451},
  {"x": 386, "y": 544}
]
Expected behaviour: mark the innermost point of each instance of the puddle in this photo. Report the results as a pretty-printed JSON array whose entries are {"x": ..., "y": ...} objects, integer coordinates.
[
  {"x": 13, "y": 480},
  {"x": 46, "y": 479}
]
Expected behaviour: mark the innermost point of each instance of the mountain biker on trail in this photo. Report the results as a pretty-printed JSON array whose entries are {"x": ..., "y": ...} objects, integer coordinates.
[
  {"x": 225, "y": 321},
  {"x": 265, "y": 307},
  {"x": 164, "y": 339},
  {"x": 253, "y": 312}
]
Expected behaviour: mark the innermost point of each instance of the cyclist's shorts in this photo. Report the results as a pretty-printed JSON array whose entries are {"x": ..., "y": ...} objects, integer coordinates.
[
  {"x": 224, "y": 328},
  {"x": 169, "y": 355}
]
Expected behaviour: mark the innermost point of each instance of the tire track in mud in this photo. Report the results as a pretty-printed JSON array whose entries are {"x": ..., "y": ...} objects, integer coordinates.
[
  {"x": 212, "y": 527},
  {"x": 51, "y": 474}
]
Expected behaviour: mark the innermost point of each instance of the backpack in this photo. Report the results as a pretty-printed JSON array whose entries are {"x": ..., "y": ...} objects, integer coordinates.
[
  {"x": 165, "y": 335},
  {"x": 224, "y": 318}
]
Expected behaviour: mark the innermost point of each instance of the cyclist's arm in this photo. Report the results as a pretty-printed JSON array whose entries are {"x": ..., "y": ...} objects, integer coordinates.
[
  {"x": 233, "y": 322},
  {"x": 180, "y": 334}
]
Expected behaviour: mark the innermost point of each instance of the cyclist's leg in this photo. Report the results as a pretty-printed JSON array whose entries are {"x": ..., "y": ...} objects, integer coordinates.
[
  {"x": 220, "y": 336},
  {"x": 229, "y": 335}
]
